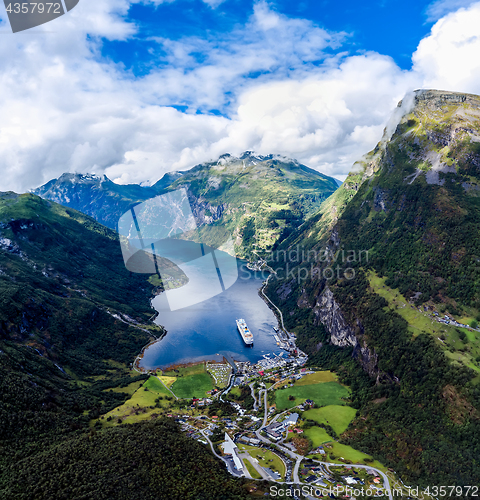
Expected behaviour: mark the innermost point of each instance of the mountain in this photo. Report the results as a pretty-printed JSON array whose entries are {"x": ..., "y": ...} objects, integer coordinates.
[
  {"x": 384, "y": 283},
  {"x": 72, "y": 319},
  {"x": 97, "y": 196},
  {"x": 259, "y": 199}
]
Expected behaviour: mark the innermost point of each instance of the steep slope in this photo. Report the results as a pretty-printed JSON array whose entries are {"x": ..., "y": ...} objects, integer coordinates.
[
  {"x": 394, "y": 250},
  {"x": 72, "y": 319},
  {"x": 97, "y": 196},
  {"x": 259, "y": 199}
]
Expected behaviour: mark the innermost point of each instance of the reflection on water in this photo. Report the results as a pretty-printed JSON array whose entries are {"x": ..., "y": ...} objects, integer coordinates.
[{"x": 202, "y": 330}]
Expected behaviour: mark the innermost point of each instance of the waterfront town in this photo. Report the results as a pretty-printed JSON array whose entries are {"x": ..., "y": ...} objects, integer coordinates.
[{"x": 273, "y": 422}]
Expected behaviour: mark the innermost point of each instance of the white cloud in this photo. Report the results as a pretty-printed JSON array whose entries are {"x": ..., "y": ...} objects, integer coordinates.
[
  {"x": 64, "y": 108},
  {"x": 449, "y": 57},
  {"x": 270, "y": 46},
  {"x": 213, "y": 3},
  {"x": 441, "y": 8}
]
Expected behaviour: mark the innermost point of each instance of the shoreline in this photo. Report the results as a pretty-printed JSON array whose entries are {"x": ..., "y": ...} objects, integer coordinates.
[
  {"x": 272, "y": 307},
  {"x": 175, "y": 366}
]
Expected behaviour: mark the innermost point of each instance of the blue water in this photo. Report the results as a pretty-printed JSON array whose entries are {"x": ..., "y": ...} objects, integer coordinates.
[{"x": 207, "y": 329}]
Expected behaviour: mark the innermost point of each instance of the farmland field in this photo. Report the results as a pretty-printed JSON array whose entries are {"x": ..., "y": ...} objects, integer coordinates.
[
  {"x": 318, "y": 436},
  {"x": 192, "y": 386},
  {"x": 337, "y": 417},
  {"x": 317, "y": 378},
  {"x": 168, "y": 381},
  {"x": 327, "y": 393}
]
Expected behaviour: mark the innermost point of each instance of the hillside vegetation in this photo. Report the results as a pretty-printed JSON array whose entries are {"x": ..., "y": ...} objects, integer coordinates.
[
  {"x": 412, "y": 207},
  {"x": 259, "y": 200},
  {"x": 72, "y": 319}
]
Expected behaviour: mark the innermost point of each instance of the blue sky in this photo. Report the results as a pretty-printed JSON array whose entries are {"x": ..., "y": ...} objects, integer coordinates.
[
  {"x": 388, "y": 26},
  {"x": 136, "y": 88}
]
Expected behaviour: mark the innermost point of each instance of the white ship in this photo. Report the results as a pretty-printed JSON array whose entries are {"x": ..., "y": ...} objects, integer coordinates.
[{"x": 244, "y": 332}]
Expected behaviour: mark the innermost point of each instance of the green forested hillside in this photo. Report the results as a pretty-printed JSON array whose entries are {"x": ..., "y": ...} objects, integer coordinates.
[
  {"x": 259, "y": 199},
  {"x": 411, "y": 208},
  {"x": 148, "y": 461},
  {"x": 72, "y": 319}
]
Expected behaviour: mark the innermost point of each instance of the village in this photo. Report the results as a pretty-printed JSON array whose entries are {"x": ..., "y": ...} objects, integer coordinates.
[
  {"x": 272, "y": 422},
  {"x": 258, "y": 440}
]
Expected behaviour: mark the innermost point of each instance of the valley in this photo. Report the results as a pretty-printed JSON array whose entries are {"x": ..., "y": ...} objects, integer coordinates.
[
  {"x": 301, "y": 450},
  {"x": 383, "y": 389}
]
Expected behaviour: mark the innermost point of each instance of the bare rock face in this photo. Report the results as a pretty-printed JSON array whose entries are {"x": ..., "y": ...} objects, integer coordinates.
[
  {"x": 328, "y": 312},
  {"x": 204, "y": 212},
  {"x": 368, "y": 358}
]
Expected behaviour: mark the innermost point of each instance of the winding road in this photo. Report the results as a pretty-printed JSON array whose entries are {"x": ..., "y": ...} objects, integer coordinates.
[{"x": 298, "y": 458}]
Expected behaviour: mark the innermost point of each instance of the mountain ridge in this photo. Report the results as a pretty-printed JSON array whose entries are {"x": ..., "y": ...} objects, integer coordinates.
[
  {"x": 412, "y": 204},
  {"x": 259, "y": 198}
]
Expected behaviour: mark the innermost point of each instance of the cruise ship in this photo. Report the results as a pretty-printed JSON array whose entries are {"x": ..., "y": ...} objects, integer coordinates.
[{"x": 245, "y": 332}]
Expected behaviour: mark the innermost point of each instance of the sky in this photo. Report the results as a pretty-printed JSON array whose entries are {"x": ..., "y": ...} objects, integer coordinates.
[{"x": 135, "y": 88}]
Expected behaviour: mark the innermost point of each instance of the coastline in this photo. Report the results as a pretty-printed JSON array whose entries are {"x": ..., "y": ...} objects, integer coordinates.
[{"x": 136, "y": 365}]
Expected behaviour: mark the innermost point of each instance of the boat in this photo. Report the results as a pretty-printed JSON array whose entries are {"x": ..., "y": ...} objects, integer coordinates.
[
  {"x": 245, "y": 332},
  {"x": 275, "y": 328}
]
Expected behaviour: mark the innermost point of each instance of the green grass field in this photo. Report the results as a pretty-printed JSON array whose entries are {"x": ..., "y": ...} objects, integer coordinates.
[
  {"x": 235, "y": 391},
  {"x": 318, "y": 436},
  {"x": 326, "y": 393},
  {"x": 153, "y": 384},
  {"x": 193, "y": 386},
  {"x": 266, "y": 458},
  {"x": 139, "y": 406},
  {"x": 338, "y": 451},
  {"x": 352, "y": 455},
  {"x": 317, "y": 378},
  {"x": 337, "y": 417},
  {"x": 251, "y": 469}
]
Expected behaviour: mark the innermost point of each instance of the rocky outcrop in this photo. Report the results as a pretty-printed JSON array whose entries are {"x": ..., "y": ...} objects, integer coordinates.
[
  {"x": 328, "y": 312},
  {"x": 204, "y": 212},
  {"x": 379, "y": 201},
  {"x": 368, "y": 358}
]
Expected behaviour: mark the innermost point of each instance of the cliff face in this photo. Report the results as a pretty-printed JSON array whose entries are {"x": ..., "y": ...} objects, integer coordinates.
[
  {"x": 328, "y": 312},
  {"x": 412, "y": 205}
]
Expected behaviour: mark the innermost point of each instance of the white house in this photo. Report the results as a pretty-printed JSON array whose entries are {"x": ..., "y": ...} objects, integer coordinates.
[
  {"x": 230, "y": 448},
  {"x": 291, "y": 419}
]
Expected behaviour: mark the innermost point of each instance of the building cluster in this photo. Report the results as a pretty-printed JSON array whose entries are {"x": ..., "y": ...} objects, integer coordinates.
[
  {"x": 275, "y": 431},
  {"x": 200, "y": 402},
  {"x": 315, "y": 473}
]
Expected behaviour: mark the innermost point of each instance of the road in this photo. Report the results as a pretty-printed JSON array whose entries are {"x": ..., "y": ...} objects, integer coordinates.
[
  {"x": 265, "y": 417},
  {"x": 255, "y": 404},
  {"x": 386, "y": 482},
  {"x": 263, "y": 293},
  {"x": 228, "y": 463},
  {"x": 169, "y": 390},
  {"x": 298, "y": 458}
]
